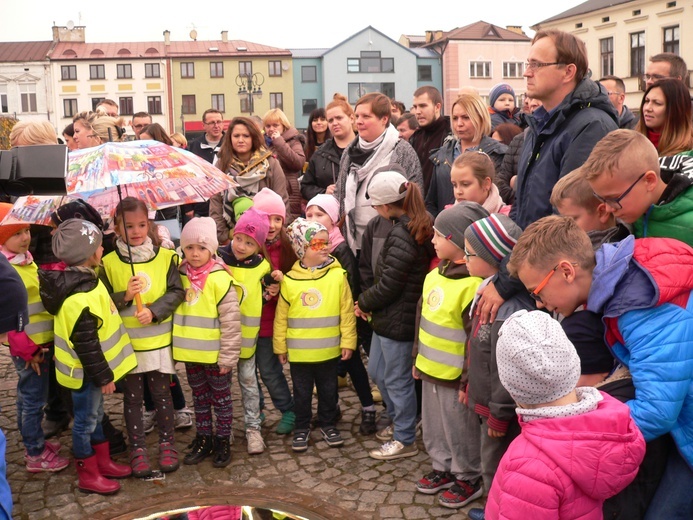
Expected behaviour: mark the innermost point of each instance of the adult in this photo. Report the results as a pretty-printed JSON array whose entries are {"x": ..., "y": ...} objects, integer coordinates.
[
  {"x": 108, "y": 107},
  {"x": 317, "y": 132},
  {"x": 323, "y": 167},
  {"x": 406, "y": 125},
  {"x": 244, "y": 157},
  {"x": 25, "y": 133},
  {"x": 665, "y": 117},
  {"x": 397, "y": 109},
  {"x": 179, "y": 140},
  {"x": 285, "y": 142},
  {"x": 92, "y": 129},
  {"x": 575, "y": 115},
  {"x": 139, "y": 121},
  {"x": 206, "y": 146},
  {"x": 156, "y": 132},
  {"x": 68, "y": 135},
  {"x": 471, "y": 125},
  {"x": 665, "y": 65},
  {"x": 616, "y": 90},
  {"x": 434, "y": 127}
]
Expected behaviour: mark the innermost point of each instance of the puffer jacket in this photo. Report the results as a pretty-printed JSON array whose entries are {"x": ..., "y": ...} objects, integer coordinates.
[
  {"x": 288, "y": 150},
  {"x": 399, "y": 276},
  {"x": 508, "y": 168},
  {"x": 643, "y": 289},
  {"x": 558, "y": 147},
  {"x": 672, "y": 216},
  {"x": 565, "y": 467},
  {"x": 322, "y": 171}
]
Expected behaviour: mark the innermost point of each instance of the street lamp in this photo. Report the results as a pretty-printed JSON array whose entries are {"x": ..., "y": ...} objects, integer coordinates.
[{"x": 249, "y": 88}]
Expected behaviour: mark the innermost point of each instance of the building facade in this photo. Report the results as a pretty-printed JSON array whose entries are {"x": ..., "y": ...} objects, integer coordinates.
[{"x": 25, "y": 80}]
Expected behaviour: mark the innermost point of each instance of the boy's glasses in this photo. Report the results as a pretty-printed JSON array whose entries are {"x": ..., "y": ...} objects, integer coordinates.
[
  {"x": 319, "y": 245},
  {"x": 468, "y": 254},
  {"x": 616, "y": 203},
  {"x": 535, "y": 293}
]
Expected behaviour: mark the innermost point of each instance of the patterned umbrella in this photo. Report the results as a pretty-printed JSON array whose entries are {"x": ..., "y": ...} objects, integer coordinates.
[{"x": 35, "y": 209}]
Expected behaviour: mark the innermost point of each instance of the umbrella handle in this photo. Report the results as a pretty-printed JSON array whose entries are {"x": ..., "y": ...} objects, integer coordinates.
[{"x": 138, "y": 302}]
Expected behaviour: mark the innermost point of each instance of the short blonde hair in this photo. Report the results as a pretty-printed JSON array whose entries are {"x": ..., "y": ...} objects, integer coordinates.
[
  {"x": 26, "y": 133},
  {"x": 549, "y": 239},
  {"x": 575, "y": 187},
  {"x": 621, "y": 151},
  {"x": 276, "y": 115},
  {"x": 179, "y": 138},
  {"x": 478, "y": 114}
]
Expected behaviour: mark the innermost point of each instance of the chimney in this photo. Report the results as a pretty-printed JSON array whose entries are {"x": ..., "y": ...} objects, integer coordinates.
[
  {"x": 225, "y": 36},
  {"x": 167, "y": 37},
  {"x": 69, "y": 33},
  {"x": 516, "y": 29},
  {"x": 432, "y": 36}
]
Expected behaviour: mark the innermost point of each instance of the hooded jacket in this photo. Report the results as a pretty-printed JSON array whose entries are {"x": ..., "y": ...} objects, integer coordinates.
[
  {"x": 627, "y": 119},
  {"x": 558, "y": 147},
  {"x": 322, "y": 171},
  {"x": 288, "y": 149}
]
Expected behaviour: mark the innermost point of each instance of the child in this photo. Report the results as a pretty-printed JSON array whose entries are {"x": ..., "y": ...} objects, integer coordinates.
[
  {"x": 502, "y": 107},
  {"x": 92, "y": 350},
  {"x": 444, "y": 326},
  {"x": 28, "y": 349},
  {"x": 207, "y": 338},
  {"x": 281, "y": 256},
  {"x": 251, "y": 271},
  {"x": 623, "y": 170},
  {"x": 390, "y": 304},
  {"x": 158, "y": 284},
  {"x": 472, "y": 177},
  {"x": 643, "y": 289},
  {"x": 324, "y": 208},
  {"x": 578, "y": 446},
  {"x": 314, "y": 326}
]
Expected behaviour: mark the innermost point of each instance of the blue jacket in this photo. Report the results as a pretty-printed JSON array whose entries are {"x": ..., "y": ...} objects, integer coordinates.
[
  {"x": 561, "y": 145},
  {"x": 643, "y": 289}
]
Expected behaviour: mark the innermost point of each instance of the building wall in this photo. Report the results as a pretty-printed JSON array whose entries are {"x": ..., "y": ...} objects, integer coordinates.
[
  {"x": 436, "y": 65},
  {"x": 305, "y": 91},
  {"x": 32, "y": 78}
]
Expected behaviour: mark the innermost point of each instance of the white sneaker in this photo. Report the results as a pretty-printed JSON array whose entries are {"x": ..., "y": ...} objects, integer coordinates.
[
  {"x": 149, "y": 420},
  {"x": 182, "y": 418},
  {"x": 386, "y": 433},
  {"x": 256, "y": 444},
  {"x": 393, "y": 450}
]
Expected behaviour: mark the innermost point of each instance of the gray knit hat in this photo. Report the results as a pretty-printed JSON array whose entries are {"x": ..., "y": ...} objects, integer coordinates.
[
  {"x": 493, "y": 238},
  {"x": 454, "y": 221},
  {"x": 76, "y": 240},
  {"x": 537, "y": 363}
]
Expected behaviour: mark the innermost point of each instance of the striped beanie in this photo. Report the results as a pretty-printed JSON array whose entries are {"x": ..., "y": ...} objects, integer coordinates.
[{"x": 493, "y": 238}]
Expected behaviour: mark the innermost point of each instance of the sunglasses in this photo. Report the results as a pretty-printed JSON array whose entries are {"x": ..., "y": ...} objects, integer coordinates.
[{"x": 319, "y": 245}]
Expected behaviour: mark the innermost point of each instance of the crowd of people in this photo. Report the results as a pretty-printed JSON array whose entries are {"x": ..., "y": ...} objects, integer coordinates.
[{"x": 517, "y": 280}]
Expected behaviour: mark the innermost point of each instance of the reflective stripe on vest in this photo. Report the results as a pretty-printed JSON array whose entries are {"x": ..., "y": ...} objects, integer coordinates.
[
  {"x": 442, "y": 337},
  {"x": 249, "y": 279},
  {"x": 113, "y": 338},
  {"x": 154, "y": 273},
  {"x": 40, "y": 326},
  {"x": 196, "y": 326}
]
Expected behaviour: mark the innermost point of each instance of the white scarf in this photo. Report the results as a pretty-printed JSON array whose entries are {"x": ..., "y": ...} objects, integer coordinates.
[{"x": 140, "y": 254}]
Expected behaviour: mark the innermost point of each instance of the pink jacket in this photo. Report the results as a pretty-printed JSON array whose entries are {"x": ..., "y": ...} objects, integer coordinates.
[{"x": 564, "y": 468}]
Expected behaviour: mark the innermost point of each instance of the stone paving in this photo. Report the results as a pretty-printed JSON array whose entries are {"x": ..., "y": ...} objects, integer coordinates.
[{"x": 345, "y": 477}]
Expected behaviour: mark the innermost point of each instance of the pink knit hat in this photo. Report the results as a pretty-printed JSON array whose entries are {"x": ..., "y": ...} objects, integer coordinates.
[
  {"x": 328, "y": 203},
  {"x": 253, "y": 223},
  {"x": 270, "y": 202},
  {"x": 202, "y": 231}
]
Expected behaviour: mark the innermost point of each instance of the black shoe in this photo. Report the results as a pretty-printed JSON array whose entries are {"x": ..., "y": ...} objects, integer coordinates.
[
  {"x": 52, "y": 428},
  {"x": 200, "y": 448},
  {"x": 300, "y": 442},
  {"x": 222, "y": 452},
  {"x": 367, "y": 423}
]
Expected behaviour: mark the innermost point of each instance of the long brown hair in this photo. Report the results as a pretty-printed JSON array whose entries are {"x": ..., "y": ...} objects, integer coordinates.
[
  {"x": 226, "y": 152},
  {"x": 133, "y": 205},
  {"x": 413, "y": 205},
  {"x": 677, "y": 132}
]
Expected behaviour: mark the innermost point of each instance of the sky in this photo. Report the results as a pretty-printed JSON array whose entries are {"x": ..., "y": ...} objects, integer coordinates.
[{"x": 291, "y": 25}]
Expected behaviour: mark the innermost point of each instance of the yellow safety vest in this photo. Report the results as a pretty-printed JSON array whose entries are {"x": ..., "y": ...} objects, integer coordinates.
[
  {"x": 313, "y": 334},
  {"x": 249, "y": 279},
  {"x": 115, "y": 343},
  {"x": 40, "y": 327},
  {"x": 196, "y": 327},
  {"x": 154, "y": 272},
  {"x": 442, "y": 337}
]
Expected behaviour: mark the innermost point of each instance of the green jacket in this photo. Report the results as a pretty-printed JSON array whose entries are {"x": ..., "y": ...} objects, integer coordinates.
[{"x": 673, "y": 216}]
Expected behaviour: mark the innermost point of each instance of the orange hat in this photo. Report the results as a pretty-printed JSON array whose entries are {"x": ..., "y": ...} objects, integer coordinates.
[{"x": 7, "y": 231}]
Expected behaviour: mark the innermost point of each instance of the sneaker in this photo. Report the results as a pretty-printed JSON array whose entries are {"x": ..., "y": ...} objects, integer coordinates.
[
  {"x": 300, "y": 442},
  {"x": 256, "y": 444},
  {"x": 182, "y": 418},
  {"x": 393, "y": 450},
  {"x": 286, "y": 423},
  {"x": 367, "y": 426},
  {"x": 476, "y": 513},
  {"x": 461, "y": 494},
  {"x": 168, "y": 457},
  {"x": 435, "y": 481},
  {"x": 332, "y": 436},
  {"x": 149, "y": 420},
  {"x": 48, "y": 461},
  {"x": 139, "y": 462},
  {"x": 386, "y": 433}
]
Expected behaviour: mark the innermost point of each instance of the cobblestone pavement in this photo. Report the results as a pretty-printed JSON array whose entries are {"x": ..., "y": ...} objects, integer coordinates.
[{"x": 345, "y": 477}]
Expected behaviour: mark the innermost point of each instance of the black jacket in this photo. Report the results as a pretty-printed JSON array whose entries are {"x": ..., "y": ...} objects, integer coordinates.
[
  {"x": 323, "y": 170},
  {"x": 508, "y": 168},
  {"x": 425, "y": 141},
  {"x": 347, "y": 259},
  {"x": 208, "y": 153}
]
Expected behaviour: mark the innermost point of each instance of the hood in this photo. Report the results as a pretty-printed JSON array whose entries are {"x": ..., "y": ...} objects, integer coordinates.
[
  {"x": 608, "y": 442},
  {"x": 56, "y": 286},
  {"x": 292, "y": 133},
  {"x": 298, "y": 272},
  {"x": 627, "y": 118}
]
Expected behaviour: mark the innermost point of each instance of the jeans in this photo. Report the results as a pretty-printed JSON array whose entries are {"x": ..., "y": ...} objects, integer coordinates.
[
  {"x": 86, "y": 429},
  {"x": 324, "y": 376},
  {"x": 250, "y": 393},
  {"x": 32, "y": 392},
  {"x": 272, "y": 374},
  {"x": 673, "y": 499},
  {"x": 390, "y": 368}
]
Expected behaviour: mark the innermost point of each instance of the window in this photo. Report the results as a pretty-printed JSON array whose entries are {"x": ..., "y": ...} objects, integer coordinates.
[
  {"x": 218, "y": 102},
  {"x": 245, "y": 68},
  {"x": 309, "y": 105},
  {"x": 188, "y": 106},
  {"x": 479, "y": 69},
  {"x": 124, "y": 71},
  {"x": 277, "y": 100},
  {"x": 424, "y": 73},
  {"x": 356, "y": 90},
  {"x": 69, "y": 107},
  {"x": 637, "y": 54},
  {"x": 309, "y": 74},
  {"x": 513, "y": 69},
  {"x": 68, "y": 72},
  {"x": 126, "y": 106},
  {"x": 671, "y": 39},
  {"x": 247, "y": 105},
  {"x": 95, "y": 101},
  {"x": 606, "y": 50},
  {"x": 28, "y": 96},
  {"x": 370, "y": 61},
  {"x": 275, "y": 68},
  {"x": 4, "y": 108},
  {"x": 216, "y": 69},
  {"x": 97, "y": 72},
  {"x": 152, "y": 70},
  {"x": 154, "y": 104},
  {"x": 187, "y": 70}
]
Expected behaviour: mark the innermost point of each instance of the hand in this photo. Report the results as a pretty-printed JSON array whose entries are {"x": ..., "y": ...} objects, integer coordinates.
[
  {"x": 282, "y": 358},
  {"x": 462, "y": 397},
  {"x": 359, "y": 313},
  {"x": 330, "y": 189},
  {"x": 495, "y": 434},
  {"x": 513, "y": 179},
  {"x": 108, "y": 388},
  {"x": 36, "y": 361},
  {"x": 135, "y": 285},
  {"x": 273, "y": 134},
  {"x": 346, "y": 354},
  {"x": 277, "y": 275},
  {"x": 224, "y": 370},
  {"x": 190, "y": 213},
  {"x": 415, "y": 373},
  {"x": 273, "y": 290},
  {"x": 145, "y": 316},
  {"x": 489, "y": 303}
]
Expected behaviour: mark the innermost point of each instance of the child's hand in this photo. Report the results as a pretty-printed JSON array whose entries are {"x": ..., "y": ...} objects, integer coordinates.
[
  {"x": 359, "y": 313},
  {"x": 108, "y": 388},
  {"x": 277, "y": 275},
  {"x": 346, "y": 354},
  {"x": 282, "y": 358},
  {"x": 273, "y": 290},
  {"x": 145, "y": 316},
  {"x": 36, "y": 361},
  {"x": 462, "y": 397},
  {"x": 495, "y": 434},
  {"x": 415, "y": 373},
  {"x": 224, "y": 370},
  {"x": 134, "y": 287}
]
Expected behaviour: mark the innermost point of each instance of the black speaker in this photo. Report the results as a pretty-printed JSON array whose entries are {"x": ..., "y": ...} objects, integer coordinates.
[{"x": 33, "y": 170}]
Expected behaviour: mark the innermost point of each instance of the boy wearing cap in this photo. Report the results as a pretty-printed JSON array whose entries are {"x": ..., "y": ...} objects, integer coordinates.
[
  {"x": 92, "y": 349},
  {"x": 578, "y": 446}
]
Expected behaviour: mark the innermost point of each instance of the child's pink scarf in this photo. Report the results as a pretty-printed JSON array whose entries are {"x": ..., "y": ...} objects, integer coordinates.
[
  {"x": 198, "y": 275},
  {"x": 17, "y": 258}
]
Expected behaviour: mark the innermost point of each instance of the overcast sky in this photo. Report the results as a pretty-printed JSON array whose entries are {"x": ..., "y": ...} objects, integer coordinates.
[{"x": 294, "y": 24}]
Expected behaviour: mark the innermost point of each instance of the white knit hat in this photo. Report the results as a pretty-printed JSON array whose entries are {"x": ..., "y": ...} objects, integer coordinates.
[{"x": 201, "y": 231}]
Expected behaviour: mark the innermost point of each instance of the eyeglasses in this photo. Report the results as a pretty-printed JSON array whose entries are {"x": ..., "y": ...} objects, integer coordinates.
[
  {"x": 534, "y": 65},
  {"x": 468, "y": 254},
  {"x": 138, "y": 127},
  {"x": 655, "y": 77},
  {"x": 319, "y": 245},
  {"x": 611, "y": 93},
  {"x": 616, "y": 203},
  {"x": 535, "y": 293},
  {"x": 214, "y": 123}
]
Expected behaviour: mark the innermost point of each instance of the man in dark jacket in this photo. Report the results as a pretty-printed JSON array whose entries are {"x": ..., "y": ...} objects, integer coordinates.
[
  {"x": 575, "y": 115},
  {"x": 616, "y": 90}
]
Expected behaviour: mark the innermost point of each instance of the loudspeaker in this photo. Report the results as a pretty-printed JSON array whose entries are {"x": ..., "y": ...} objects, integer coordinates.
[{"x": 33, "y": 170}]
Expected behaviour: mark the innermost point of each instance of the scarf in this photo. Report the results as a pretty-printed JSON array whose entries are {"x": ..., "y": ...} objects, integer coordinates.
[
  {"x": 493, "y": 203},
  {"x": 654, "y": 138},
  {"x": 248, "y": 178},
  {"x": 17, "y": 258},
  {"x": 335, "y": 238},
  {"x": 140, "y": 254},
  {"x": 198, "y": 275}
]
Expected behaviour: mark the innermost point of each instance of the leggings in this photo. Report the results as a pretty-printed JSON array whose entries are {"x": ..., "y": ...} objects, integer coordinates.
[
  {"x": 132, "y": 403},
  {"x": 210, "y": 388}
]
